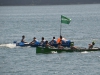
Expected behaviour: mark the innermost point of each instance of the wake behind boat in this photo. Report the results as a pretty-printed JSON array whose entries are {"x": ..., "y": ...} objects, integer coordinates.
[{"x": 9, "y": 45}]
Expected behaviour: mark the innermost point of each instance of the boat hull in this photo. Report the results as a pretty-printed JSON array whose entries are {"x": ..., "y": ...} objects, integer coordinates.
[
  {"x": 22, "y": 44},
  {"x": 50, "y": 50}
]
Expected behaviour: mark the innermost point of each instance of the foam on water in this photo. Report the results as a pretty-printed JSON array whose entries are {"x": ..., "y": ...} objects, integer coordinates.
[
  {"x": 85, "y": 52},
  {"x": 8, "y": 45},
  {"x": 54, "y": 52}
]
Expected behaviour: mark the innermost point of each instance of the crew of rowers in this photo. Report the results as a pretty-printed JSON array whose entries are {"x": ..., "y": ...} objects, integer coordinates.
[{"x": 59, "y": 41}]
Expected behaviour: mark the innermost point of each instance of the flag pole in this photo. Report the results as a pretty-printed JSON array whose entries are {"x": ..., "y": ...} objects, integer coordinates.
[
  {"x": 60, "y": 28},
  {"x": 60, "y": 25}
]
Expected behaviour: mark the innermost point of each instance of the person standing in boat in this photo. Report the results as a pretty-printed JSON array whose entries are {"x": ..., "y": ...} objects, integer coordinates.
[
  {"x": 91, "y": 45},
  {"x": 53, "y": 41},
  {"x": 42, "y": 41},
  {"x": 23, "y": 37}
]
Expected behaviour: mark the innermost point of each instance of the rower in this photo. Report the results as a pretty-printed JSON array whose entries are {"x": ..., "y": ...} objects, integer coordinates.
[
  {"x": 47, "y": 44},
  {"x": 42, "y": 41},
  {"x": 23, "y": 37},
  {"x": 34, "y": 40},
  {"x": 53, "y": 41},
  {"x": 59, "y": 40},
  {"x": 59, "y": 46}
]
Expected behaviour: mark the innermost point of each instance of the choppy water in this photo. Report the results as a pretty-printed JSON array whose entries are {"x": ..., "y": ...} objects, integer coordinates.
[{"x": 38, "y": 21}]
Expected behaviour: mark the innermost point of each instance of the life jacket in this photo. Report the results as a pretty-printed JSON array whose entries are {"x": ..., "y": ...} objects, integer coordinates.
[{"x": 59, "y": 40}]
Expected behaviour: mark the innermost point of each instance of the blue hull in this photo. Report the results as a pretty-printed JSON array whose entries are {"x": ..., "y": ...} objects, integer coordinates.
[{"x": 22, "y": 44}]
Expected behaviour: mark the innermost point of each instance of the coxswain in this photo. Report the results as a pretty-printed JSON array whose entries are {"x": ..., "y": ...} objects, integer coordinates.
[{"x": 91, "y": 45}]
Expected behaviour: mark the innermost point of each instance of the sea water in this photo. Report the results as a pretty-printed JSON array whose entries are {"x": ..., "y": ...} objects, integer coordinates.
[{"x": 45, "y": 21}]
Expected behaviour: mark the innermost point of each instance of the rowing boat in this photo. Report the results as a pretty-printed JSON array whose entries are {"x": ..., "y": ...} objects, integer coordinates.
[
  {"x": 21, "y": 44},
  {"x": 50, "y": 50}
]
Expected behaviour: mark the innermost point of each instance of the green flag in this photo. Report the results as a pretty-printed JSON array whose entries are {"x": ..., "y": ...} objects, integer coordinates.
[{"x": 65, "y": 20}]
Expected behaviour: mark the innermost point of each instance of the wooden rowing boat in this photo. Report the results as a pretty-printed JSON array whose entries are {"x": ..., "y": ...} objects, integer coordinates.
[{"x": 50, "y": 50}]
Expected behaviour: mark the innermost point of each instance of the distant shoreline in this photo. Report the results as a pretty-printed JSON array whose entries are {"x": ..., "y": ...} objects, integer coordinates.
[{"x": 50, "y": 4}]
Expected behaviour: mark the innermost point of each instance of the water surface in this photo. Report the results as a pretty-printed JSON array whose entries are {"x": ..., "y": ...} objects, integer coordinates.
[{"x": 44, "y": 21}]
